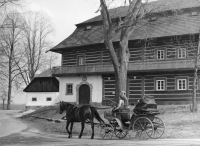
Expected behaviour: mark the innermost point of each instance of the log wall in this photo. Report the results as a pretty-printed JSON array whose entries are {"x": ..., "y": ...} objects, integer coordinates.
[{"x": 171, "y": 94}]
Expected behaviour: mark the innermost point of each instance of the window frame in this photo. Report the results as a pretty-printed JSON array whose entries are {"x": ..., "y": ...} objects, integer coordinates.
[
  {"x": 78, "y": 60},
  {"x": 67, "y": 93},
  {"x": 161, "y": 50},
  {"x": 178, "y": 54},
  {"x": 34, "y": 98},
  {"x": 161, "y": 79},
  {"x": 49, "y": 98},
  {"x": 178, "y": 87},
  {"x": 186, "y": 84}
]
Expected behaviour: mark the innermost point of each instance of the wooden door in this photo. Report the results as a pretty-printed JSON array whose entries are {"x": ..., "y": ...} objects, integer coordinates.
[{"x": 84, "y": 94}]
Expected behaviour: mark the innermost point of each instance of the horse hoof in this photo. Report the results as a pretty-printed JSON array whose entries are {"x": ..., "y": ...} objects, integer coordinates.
[
  {"x": 79, "y": 137},
  {"x": 92, "y": 137}
]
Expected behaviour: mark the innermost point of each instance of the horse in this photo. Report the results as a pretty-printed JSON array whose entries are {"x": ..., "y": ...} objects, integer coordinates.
[{"x": 83, "y": 114}]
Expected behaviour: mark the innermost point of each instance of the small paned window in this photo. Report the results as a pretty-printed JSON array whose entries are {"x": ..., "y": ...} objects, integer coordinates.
[
  {"x": 69, "y": 89},
  {"x": 160, "y": 54},
  {"x": 34, "y": 99},
  {"x": 153, "y": 18},
  {"x": 182, "y": 53},
  {"x": 48, "y": 99},
  {"x": 81, "y": 60},
  {"x": 181, "y": 84},
  {"x": 160, "y": 85}
]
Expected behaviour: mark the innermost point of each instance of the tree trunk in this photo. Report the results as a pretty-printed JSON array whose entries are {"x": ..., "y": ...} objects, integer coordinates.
[
  {"x": 9, "y": 87},
  {"x": 121, "y": 58},
  {"x": 3, "y": 103},
  {"x": 10, "y": 77},
  {"x": 120, "y": 81},
  {"x": 194, "y": 99}
]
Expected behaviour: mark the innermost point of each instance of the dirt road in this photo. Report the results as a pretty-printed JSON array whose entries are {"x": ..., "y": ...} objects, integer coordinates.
[
  {"x": 16, "y": 133},
  {"x": 9, "y": 125}
]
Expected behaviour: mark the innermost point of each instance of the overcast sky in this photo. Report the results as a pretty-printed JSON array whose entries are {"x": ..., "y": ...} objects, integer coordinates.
[{"x": 65, "y": 14}]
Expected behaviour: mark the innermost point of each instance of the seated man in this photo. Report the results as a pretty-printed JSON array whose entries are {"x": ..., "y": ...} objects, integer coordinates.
[{"x": 123, "y": 101}]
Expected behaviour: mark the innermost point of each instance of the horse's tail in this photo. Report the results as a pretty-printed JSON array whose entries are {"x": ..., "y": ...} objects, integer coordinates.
[{"x": 96, "y": 115}]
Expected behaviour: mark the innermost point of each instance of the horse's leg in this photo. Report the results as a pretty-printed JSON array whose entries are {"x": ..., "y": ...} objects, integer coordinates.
[
  {"x": 82, "y": 128},
  {"x": 92, "y": 125},
  {"x": 72, "y": 123},
  {"x": 68, "y": 122}
]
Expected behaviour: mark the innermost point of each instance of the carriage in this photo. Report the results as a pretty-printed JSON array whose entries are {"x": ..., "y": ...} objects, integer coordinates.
[{"x": 140, "y": 123}]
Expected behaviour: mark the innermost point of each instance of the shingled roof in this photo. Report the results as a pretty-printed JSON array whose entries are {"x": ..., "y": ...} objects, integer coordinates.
[
  {"x": 163, "y": 26},
  {"x": 159, "y": 6}
]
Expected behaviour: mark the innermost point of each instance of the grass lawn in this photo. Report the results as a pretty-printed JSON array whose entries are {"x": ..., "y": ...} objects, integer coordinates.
[{"x": 179, "y": 121}]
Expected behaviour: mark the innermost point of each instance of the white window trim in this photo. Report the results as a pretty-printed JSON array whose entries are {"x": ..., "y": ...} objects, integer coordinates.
[
  {"x": 180, "y": 55},
  {"x": 164, "y": 84},
  {"x": 160, "y": 54},
  {"x": 178, "y": 88},
  {"x": 187, "y": 82}
]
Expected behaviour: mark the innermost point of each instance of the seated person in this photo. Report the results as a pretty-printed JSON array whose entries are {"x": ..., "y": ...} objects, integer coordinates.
[{"x": 123, "y": 101}]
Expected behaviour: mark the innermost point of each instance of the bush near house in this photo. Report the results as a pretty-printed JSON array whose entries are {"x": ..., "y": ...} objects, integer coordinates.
[{"x": 179, "y": 121}]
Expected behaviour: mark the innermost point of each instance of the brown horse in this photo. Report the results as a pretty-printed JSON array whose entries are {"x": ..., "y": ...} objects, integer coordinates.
[{"x": 83, "y": 114}]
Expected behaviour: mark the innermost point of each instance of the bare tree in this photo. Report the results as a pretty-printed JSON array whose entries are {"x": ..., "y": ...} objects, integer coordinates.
[
  {"x": 124, "y": 26},
  {"x": 37, "y": 29},
  {"x": 10, "y": 35}
]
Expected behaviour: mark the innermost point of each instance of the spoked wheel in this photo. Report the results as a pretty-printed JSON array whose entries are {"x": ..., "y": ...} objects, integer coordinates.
[
  {"x": 119, "y": 132},
  {"x": 106, "y": 131},
  {"x": 143, "y": 128},
  {"x": 159, "y": 128}
]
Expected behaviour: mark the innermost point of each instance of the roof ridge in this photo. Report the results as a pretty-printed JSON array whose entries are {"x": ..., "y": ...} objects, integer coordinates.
[{"x": 175, "y": 4}]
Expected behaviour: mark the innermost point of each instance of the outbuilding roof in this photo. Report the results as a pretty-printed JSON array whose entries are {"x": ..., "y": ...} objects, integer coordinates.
[{"x": 171, "y": 25}]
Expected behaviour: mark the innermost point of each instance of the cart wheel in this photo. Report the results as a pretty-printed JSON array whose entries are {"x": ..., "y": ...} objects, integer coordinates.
[
  {"x": 119, "y": 132},
  {"x": 159, "y": 128},
  {"x": 143, "y": 128},
  {"x": 106, "y": 131}
]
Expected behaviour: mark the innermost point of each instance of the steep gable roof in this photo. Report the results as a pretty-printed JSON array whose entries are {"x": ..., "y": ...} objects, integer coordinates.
[
  {"x": 43, "y": 84},
  {"x": 164, "y": 26},
  {"x": 159, "y": 6}
]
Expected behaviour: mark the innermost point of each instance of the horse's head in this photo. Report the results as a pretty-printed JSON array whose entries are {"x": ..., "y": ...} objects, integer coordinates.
[{"x": 64, "y": 106}]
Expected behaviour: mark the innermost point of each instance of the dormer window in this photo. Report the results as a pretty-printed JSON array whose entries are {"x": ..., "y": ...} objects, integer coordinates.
[
  {"x": 194, "y": 13},
  {"x": 88, "y": 27},
  {"x": 154, "y": 18}
]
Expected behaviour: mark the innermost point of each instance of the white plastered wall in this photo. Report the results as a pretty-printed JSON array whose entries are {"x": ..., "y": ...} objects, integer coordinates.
[
  {"x": 41, "y": 98},
  {"x": 94, "y": 80}
]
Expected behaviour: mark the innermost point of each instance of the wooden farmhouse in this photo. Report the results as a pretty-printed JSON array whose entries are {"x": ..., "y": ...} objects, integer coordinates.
[
  {"x": 161, "y": 62},
  {"x": 43, "y": 90}
]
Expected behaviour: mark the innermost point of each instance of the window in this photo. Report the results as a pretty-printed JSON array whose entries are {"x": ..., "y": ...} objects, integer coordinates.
[
  {"x": 194, "y": 13},
  {"x": 182, "y": 53},
  {"x": 81, "y": 60},
  {"x": 34, "y": 99},
  {"x": 69, "y": 89},
  {"x": 181, "y": 84},
  {"x": 153, "y": 18},
  {"x": 160, "y": 85},
  {"x": 88, "y": 27},
  {"x": 160, "y": 54},
  {"x": 48, "y": 99}
]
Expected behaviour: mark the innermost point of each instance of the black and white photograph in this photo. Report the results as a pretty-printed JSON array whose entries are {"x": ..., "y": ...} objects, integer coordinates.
[{"x": 99, "y": 72}]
